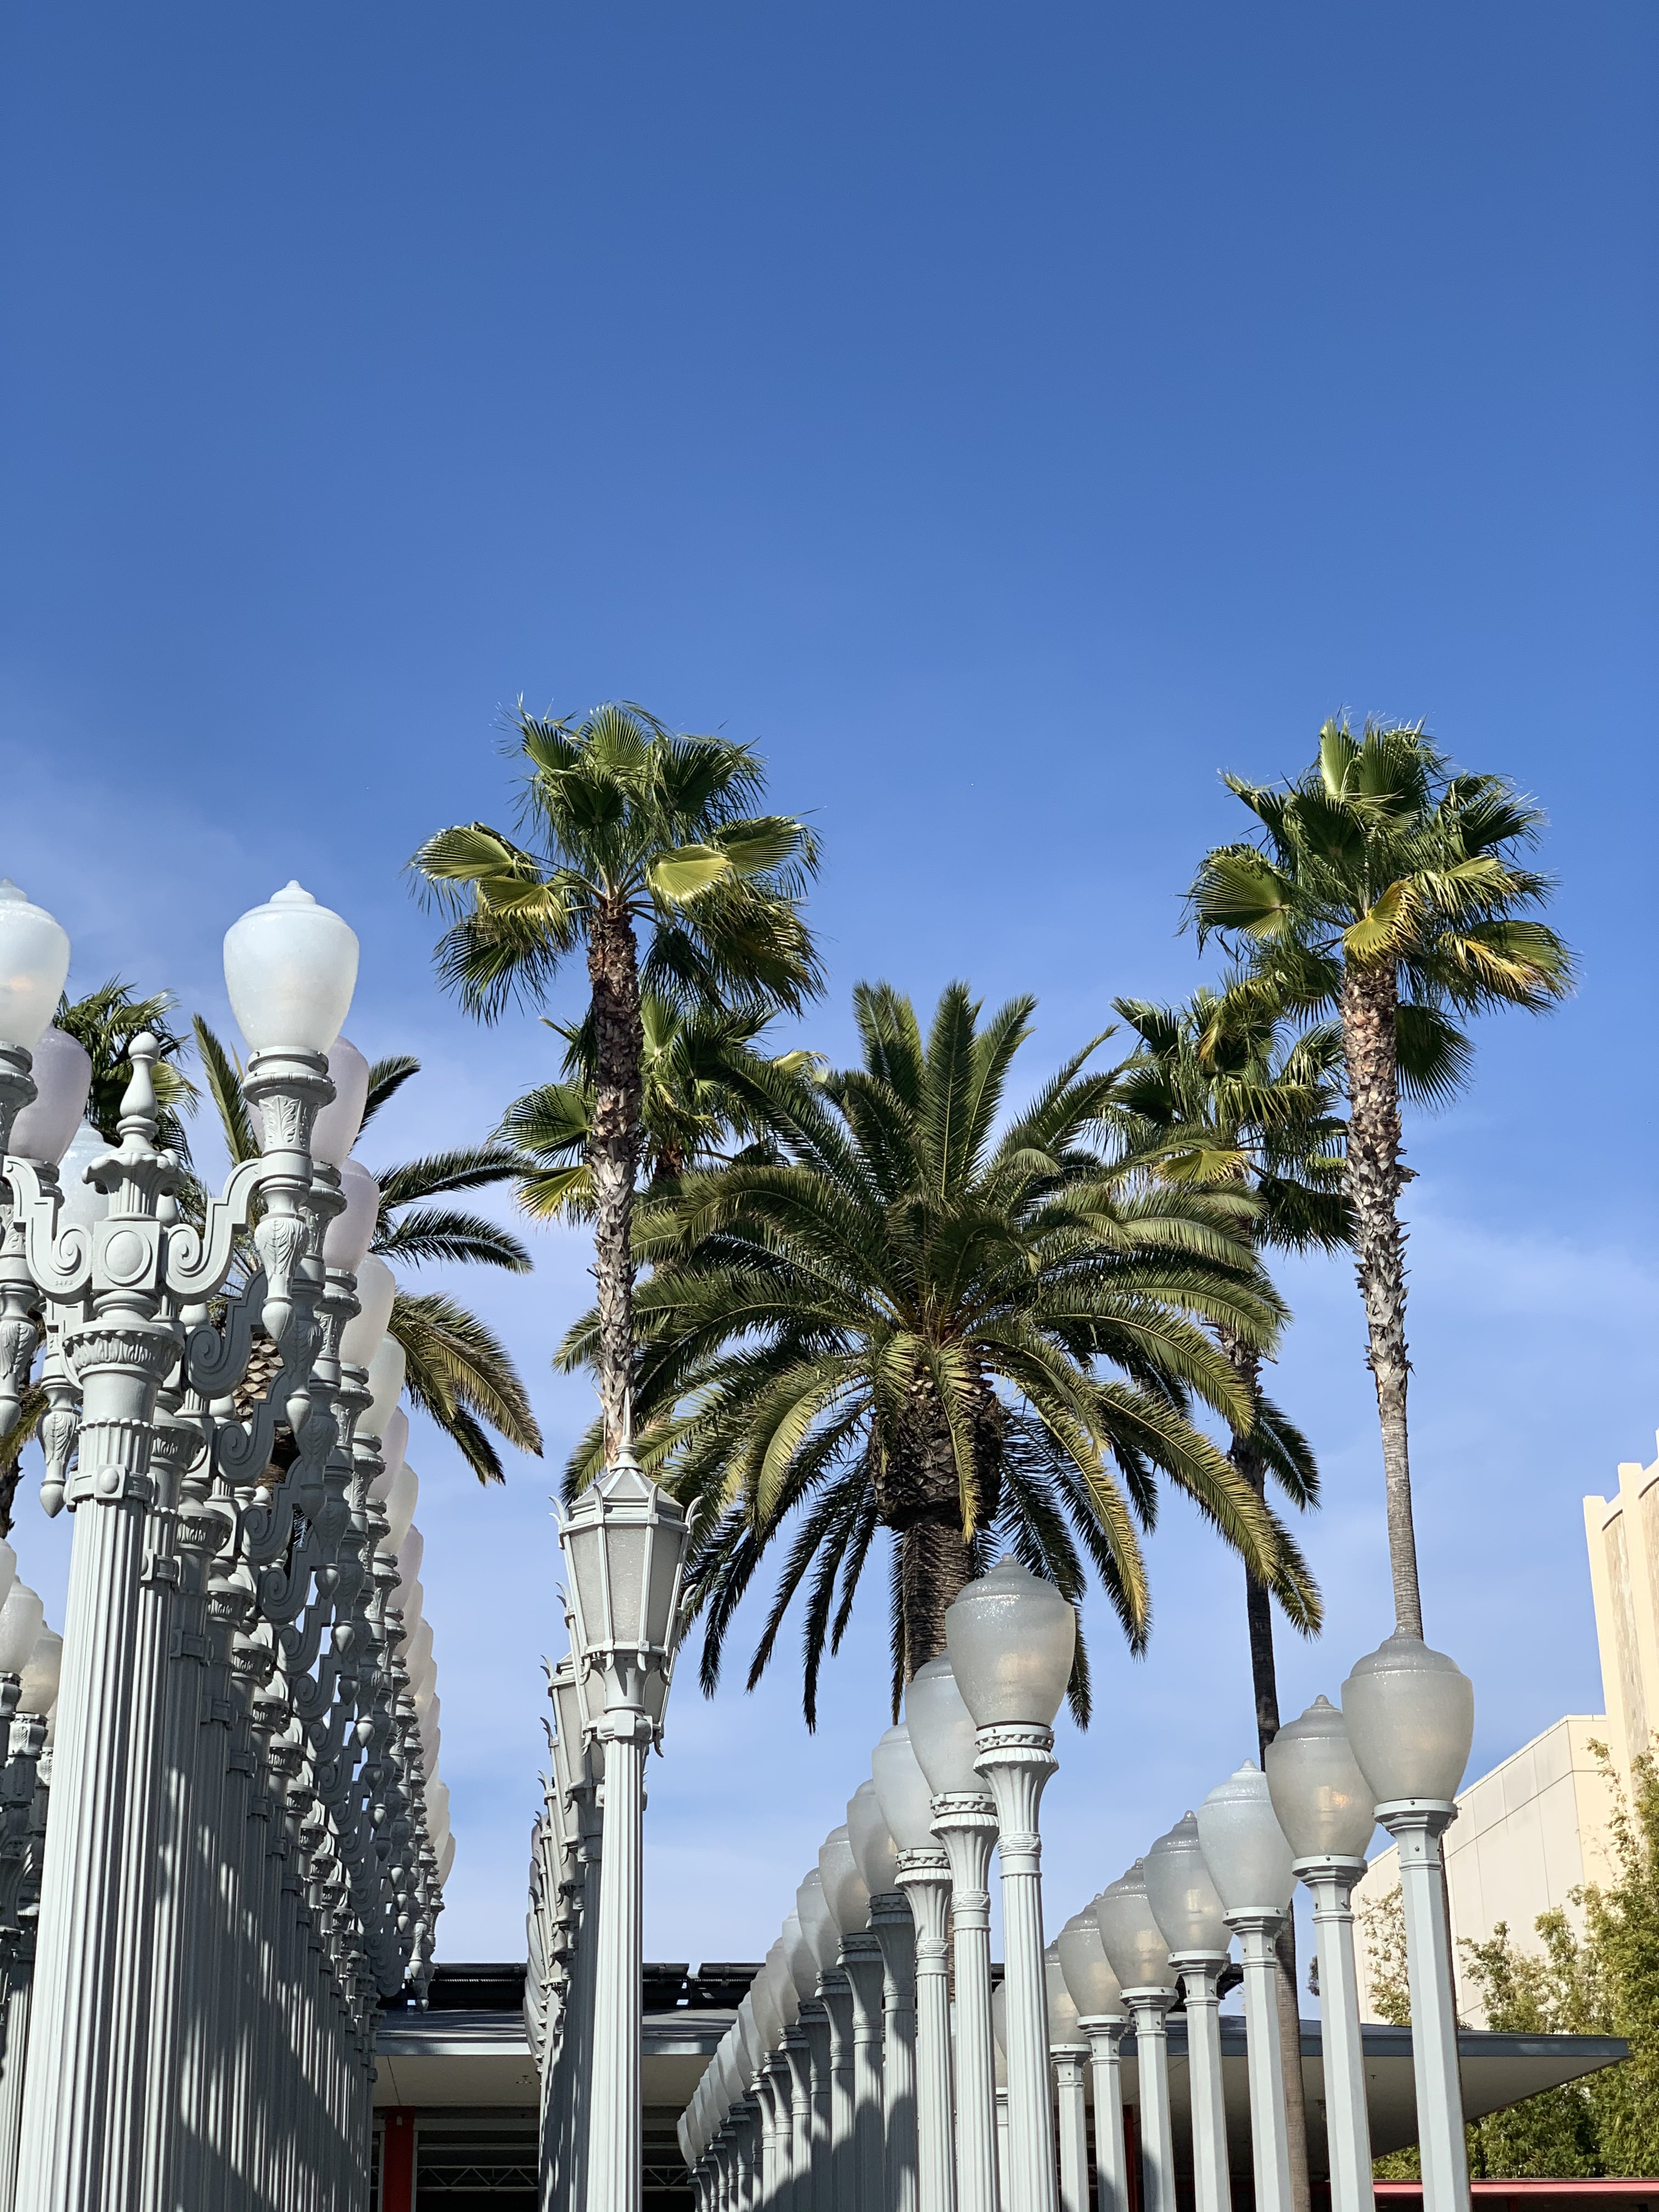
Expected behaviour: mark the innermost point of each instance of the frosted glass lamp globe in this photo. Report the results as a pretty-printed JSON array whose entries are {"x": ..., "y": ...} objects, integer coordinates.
[
  {"x": 61, "y": 1067},
  {"x": 1011, "y": 1638},
  {"x": 1063, "y": 2013},
  {"x": 21, "y": 1619},
  {"x": 1244, "y": 1847},
  {"x": 348, "y": 1236},
  {"x": 385, "y": 1382},
  {"x": 843, "y": 1885},
  {"x": 874, "y": 1853},
  {"x": 1322, "y": 1801},
  {"x": 802, "y": 1961},
  {"x": 942, "y": 1732},
  {"x": 906, "y": 1801},
  {"x": 34, "y": 958},
  {"x": 817, "y": 1922},
  {"x": 1135, "y": 1948},
  {"x": 1410, "y": 1716},
  {"x": 781, "y": 1982},
  {"x": 377, "y": 1291},
  {"x": 338, "y": 1124},
  {"x": 8, "y": 1570},
  {"x": 291, "y": 968},
  {"x": 394, "y": 1442},
  {"x": 1088, "y": 1970},
  {"x": 400, "y": 1508},
  {"x": 41, "y": 1676},
  {"x": 1185, "y": 1902}
]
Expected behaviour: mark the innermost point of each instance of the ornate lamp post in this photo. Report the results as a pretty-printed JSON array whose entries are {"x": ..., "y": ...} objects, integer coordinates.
[
  {"x": 946, "y": 1744},
  {"x": 1068, "y": 2047},
  {"x": 1140, "y": 1957},
  {"x": 858, "y": 1956},
  {"x": 877, "y": 1855},
  {"x": 812, "y": 2141},
  {"x": 923, "y": 1875},
  {"x": 1323, "y": 1804},
  {"x": 829, "y": 2032},
  {"x": 625, "y": 1541},
  {"x": 1249, "y": 1861},
  {"x": 1012, "y": 1640},
  {"x": 1189, "y": 1910},
  {"x": 1410, "y": 1718},
  {"x": 1101, "y": 2017}
]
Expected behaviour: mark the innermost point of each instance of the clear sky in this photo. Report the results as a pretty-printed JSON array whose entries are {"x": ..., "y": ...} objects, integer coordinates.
[{"x": 1007, "y": 419}]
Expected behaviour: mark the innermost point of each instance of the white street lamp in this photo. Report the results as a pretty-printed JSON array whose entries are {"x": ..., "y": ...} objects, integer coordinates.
[
  {"x": 625, "y": 1541},
  {"x": 832, "y": 2048},
  {"x": 814, "y": 2060},
  {"x": 1012, "y": 1640},
  {"x": 1250, "y": 1863},
  {"x": 1140, "y": 1957},
  {"x": 923, "y": 1874},
  {"x": 877, "y": 1854},
  {"x": 1068, "y": 2047},
  {"x": 1410, "y": 1719},
  {"x": 859, "y": 1960},
  {"x": 1101, "y": 2018},
  {"x": 1189, "y": 1910},
  {"x": 1323, "y": 1804}
]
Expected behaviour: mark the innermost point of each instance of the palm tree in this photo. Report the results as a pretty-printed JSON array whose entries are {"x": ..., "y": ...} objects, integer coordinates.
[
  {"x": 690, "y": 1105},
  {"x": 915, "y": 1322},
  {"x": 459, "y": 1372},
  {"x": 1215, "y": 1095},
  {"x": 1386, "y": 889},
  {"x": 635, "y": 828},
  {"x": 104, "y": 1024}
]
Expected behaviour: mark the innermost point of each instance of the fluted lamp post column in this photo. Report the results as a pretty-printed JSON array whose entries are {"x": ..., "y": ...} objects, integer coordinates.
[
  {"x": 829, "y": 2029},
  {"x": 945, "y": 1740},
  {"x": 807, "y": 2045},
  {"x": 1140, "y": 1957},
  {"x": 923, "y": 1875},
  {"x": 1101, "y": 2018},
  {"x": 1189, "y": 1911},
  {"x": 1068, "y": 2047},
  {"x": 1249, "y": 1861},
  {"x": 795, "y": 2093},
  {"x": 859, "y": 1960},
  {"x": 891, "y": 1925},
  {"x": 625, "y": 1541},
  {"x": 1409, "y": 1713}
]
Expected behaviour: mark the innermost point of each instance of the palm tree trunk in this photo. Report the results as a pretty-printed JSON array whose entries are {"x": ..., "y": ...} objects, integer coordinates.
[
  {"x": 1370, "y": 1000},
  {"x": 613, "y": 1152},
  {"x": 1264, "y": 1679},
  {"x": 935, "y": 1563}
]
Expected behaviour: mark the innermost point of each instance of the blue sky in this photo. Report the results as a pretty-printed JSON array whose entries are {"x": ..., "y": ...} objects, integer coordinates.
[{"x": 1007, "y": 419}]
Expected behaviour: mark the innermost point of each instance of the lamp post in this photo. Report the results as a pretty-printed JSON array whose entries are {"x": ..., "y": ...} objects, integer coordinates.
[
  {"x": 625, "y": 1541},
  {"x": 1140, "y": 1957},
  {"x": 946, "y": 1744},
  {"x": 859, "y": 1958},
  {"x": 1101, "y": 2017},
  {"x": 1323, "y": 1803},
  {"x": 812, "y": 2154},
  {"x": 1068, "y": 2047},
  {"x": 794, "y": 2094},
  {"x": 1249, "y": 1861},
  {"x": 923, "y": 1875},
  {"x": 1409, "y": 1713},
  {"x": 891, "y": 1924},
  {"x": 1012, "y": 1640},
  {"x": 1189, "y": 1910},
  {"x": 831, "y": 2039}
]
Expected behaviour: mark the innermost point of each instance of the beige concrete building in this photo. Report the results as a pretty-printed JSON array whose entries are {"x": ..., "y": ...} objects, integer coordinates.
[{"x": 1534, "y": 1830}]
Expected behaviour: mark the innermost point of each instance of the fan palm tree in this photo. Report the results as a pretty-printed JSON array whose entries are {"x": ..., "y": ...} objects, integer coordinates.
[
  {"x": 1385, "y": 888},
  {"x": 689, "y": 1105},
  {"x": 635, "y": 829},
  {"x": 459, "y": 1372},
  {"x": 914, "y": 1321}
]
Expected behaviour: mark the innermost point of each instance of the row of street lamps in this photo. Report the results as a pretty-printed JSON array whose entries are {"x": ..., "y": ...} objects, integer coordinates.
[
  {"x": 850, "y": 2082},
  {"x": 244, "y": 1838}
]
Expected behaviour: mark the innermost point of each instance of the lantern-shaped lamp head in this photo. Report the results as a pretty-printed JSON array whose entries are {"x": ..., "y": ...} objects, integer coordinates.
[
  {"x": 1322, "y": 1801},
  {"x": 1244, "y": 1847},
  {"x": 942, "y": 1732},
  {"x": 906, "y": 1802},
  {"x": 1135, "y": 1948},
  {"x": 874, "y": 1852},
  {"x": 34, "y": 958},
  {"x": 843, "y": 1885},
  {"x": 1011, "y": 1639},
  {"x": 1410, "y": 1715},
  {"x": 1088, "y": 1970},
  {"x": 290, "y": 969},
  {"x": 625, "y": 1541},
  {"x": 1185, "y": 1901}
]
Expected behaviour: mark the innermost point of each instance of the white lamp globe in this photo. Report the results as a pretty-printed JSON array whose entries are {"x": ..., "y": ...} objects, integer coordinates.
[
  {"x": 802, "y": 1960},
  {"x": 431, "y": 1734},
  {"x": 1088, "y": 1970},
  {"x": 62, "y": 1068},
  {"x": 874, "y": 1853},
  {"x": 1322, "y": 1801},
  {"x": 1062, "y": 2010},
  {"x": 437, "y": 1801},
  {"x": 817, "y": 1922},
  {"x": 1011, "y": 1639},
  {"x": 1410, "y": 1716},
  {"x": 410, "y": 1553},
  {"x": 843, "y": 1885},
  {"x": 336, "y": 1128},
  {"x": 1244, "y": 1847},
  {"x": 377, "y": 1289},
  {"x": 34, "y": 958},
  {"x": 418, "y": 1657},
  {"x": 1134, "y": 1943},
  {"x": 8, "y": 1570},
  {"x": 400, "y": 1508},
  {"x": 394, "y": 1445},
  {"x": 768, "y": 2021},
  {"x": 901, "y": 1790},
  {"x": 348, "y": 1236},
  {"x": 446, "y": 1860},
  {"x": 410, "y": 1601},
  {"x": 784, "y": 1996},
  {"x": 81, "y": 1204},
  {"x": 386, "y": 1371},
  {"x": 942, "y": 1732},
  {"x": 291, "y": 968},
  {"x": 21, "y": 1619},
  {"x": 41, "y": 1676},
  {"x": 1185, "y": 1902}
]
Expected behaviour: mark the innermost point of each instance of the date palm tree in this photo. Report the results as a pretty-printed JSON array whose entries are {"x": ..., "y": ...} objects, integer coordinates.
[
  {"x": 459, "y": 1372},
  {"x": 1386, "y": 889},
  {"x": 922, "y": 1319},
  {"x": 634, "y": 830}
]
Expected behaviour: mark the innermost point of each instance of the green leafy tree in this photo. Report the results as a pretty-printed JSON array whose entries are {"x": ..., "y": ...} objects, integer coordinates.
[
  {"x": 924, "y": 1319},
  {"x": 1386, "y": 889},
  {"x": 459, "y": 1372},
  {"x": 634, "y": 830}
]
